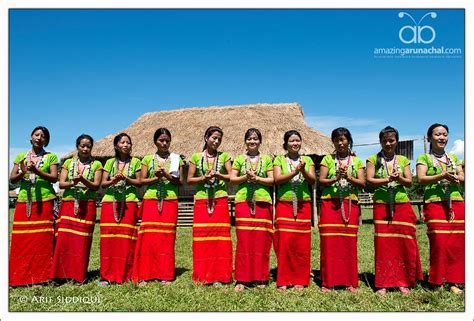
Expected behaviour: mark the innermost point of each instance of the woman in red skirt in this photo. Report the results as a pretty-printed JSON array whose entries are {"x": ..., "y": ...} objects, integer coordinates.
[
  {"x": 212, "y": 244},
  {"x": 397, "y": 260},
  {"x": 293, "y": 172},
  {"x": 442, "y": 176},
  {"x": 119, "y": 213},
  {"x": 162, "y": 173},
  {"x": 342, "y": 174},
  {"x": 31, "y": 247},
  {"x": 253, "y": 213},
  {"x": 80, "y": 178}
]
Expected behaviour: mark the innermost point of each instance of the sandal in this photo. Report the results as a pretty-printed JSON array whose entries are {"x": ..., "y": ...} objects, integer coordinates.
[
  {"x": 239, "y": 288},
  {"x": 281, "y": 288},
  {"x": 351, "y": 289},
  {"x": 456, "y": 290},
  {"x": 382, "y": 292},
  {"x": 404, "y": 290},
  {"x": 325, "y": 289},
  {"x": 103, "y": 283},
  {"x": 217, "y": 284}
]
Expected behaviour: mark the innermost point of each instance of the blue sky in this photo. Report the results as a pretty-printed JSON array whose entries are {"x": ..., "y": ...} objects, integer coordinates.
[{"x": 97, "y": 71}]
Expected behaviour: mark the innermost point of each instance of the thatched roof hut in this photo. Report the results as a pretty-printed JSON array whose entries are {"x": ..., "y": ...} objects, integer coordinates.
[{"x": 188, "y": 125}]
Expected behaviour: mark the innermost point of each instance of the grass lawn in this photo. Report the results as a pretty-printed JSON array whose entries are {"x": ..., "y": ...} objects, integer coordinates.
[{"x": 183, "y": 295}]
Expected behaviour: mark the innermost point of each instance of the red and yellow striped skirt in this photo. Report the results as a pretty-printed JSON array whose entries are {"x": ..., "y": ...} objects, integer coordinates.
[
  {"x": 338, "y": 242},
  {"x": 117, "y": 241},
  {"x": 397, "y": 259},
  {"x": 212, "y": 244},
  {"x": 73, "y": 240},
  {"x": 293, "y": 243},
  {"x": 154, "y": 253},
  {"x": 446, "y": 242},
  {"x": 31, "y": 247},
  {"x": 254, "y": 241}
]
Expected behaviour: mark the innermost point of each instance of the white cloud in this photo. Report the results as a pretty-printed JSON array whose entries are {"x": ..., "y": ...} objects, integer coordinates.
[
  {"x": 458, "y": 148},
  {"x": 326, "y": 124}
]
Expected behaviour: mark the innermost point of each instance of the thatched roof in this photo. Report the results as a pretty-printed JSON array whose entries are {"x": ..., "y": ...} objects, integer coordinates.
[{"x": 187, "y": 127}]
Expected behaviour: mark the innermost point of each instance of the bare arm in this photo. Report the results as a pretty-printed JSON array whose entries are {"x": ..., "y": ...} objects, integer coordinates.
[
  {"x": 359, "y": 181},
  {"x": 235, "y": 179},
  {"x": 323, "y": 176},
  {"x": 191, "y": 172},
  {"x": 51, "y": 177},
  {"x": 310, "y": 175},
  {"x": 63, "y": 182},
  {"x": 15, "y": 175},
  {"x": 228, "y": 168}
]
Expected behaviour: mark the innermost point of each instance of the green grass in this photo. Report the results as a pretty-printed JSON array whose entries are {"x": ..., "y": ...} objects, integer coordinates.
[{"x": 183, "y": 295}]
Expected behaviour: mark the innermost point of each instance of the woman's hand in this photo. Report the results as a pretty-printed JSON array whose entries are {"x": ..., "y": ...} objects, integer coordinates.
[
  {"x": 453, "y": 178},
  {"x": 32, "y": 168},
  {"x": 394, "y": 176},
  {"x": 23, "y": 167},
  {"x": 300, "y": 167},
  {"x": 251, "y": 177}
]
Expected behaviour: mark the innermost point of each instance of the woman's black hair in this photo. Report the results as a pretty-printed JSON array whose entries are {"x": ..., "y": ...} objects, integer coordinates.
[
  {"x": 160, "y": 131},
  {"x": 287, "y": 136},
  {"x": 209, "y": 132},
  {"x": 342, "y": 131},
  {"x": 116, "y": 141},
  {"x": 252, "y": 130},
  {"x": 84, "y": 136},
  {"x": 45, "y": 132},
  {"x": 430, "y": 131},
  {"x": 384, "y": 131}
]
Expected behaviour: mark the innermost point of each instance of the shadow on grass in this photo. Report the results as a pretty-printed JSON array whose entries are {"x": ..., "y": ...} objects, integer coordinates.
[
  {"x": 180, "y": 271},
  {"x": 92, "y": 275}
]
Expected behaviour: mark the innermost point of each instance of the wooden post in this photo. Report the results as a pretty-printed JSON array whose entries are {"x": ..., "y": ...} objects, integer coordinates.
[
  {"x": 315, "y": 206},
  {"x": 273, "y": 204}
]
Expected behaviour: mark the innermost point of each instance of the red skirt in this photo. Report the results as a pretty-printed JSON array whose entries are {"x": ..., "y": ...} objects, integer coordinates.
[
  {"x": 397, "y": 259},
  {"x": 254, "y": 241},
  {"x": 338, "y": 244},
  {"x": 154, "y": 254},
  {"x": 73, "y": 241},
  {"x": 117, "y": 242},
  {"x": 212, "y": 245},
  {"x": 446, "y": 242},
  {"x": 31, "y": 247},
  {"x": 293, "y": 243}
]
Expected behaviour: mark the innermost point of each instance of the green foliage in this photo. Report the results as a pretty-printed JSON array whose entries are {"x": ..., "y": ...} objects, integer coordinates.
[
  {"x": 183, "y": 295},
  {"x": 415, "y": 192}
]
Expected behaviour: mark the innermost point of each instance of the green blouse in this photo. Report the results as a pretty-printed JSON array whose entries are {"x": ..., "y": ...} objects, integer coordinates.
[
  {"x": 381, "y": 194},
  {"x": 170, "y": 190},
  {"x": 201, "y": 167},
  {"x": 285, "y": 191},
  {"x": 331, "y": 191},
  {"x": 41, "y": 190},
  {"x": 262, "y": 192},
  {"x": 130, "y": 191},
  {"x": 434, "y": 192},
  {"x": 89, "y": 174}
]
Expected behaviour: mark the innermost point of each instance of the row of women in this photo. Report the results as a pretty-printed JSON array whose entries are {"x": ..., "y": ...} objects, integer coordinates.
[{"x": 44, "y": 247}]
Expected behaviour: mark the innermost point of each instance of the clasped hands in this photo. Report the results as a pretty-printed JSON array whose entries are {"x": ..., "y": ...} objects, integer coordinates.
[
  {"x": 450, "y": 176},
  {"x": 211, "y": 175},
  {"x": 31, "y": 168}
]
